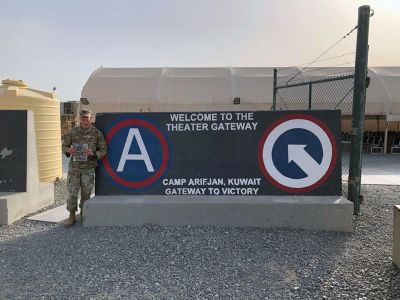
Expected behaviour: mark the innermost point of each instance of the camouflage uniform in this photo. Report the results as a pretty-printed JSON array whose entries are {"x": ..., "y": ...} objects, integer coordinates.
[{"x": 81, "y": 174}]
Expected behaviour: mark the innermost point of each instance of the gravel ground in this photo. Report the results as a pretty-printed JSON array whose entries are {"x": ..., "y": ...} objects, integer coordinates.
[{"x": 46, "y": 261}]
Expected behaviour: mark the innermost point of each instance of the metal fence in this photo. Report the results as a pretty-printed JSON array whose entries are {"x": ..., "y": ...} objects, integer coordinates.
[
  {"x": 346, "y": 92},
  {"x": 331, "y": 91}
]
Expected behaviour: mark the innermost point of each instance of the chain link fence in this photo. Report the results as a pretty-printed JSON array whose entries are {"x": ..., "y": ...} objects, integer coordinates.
[{"x": 330, "y": 91}]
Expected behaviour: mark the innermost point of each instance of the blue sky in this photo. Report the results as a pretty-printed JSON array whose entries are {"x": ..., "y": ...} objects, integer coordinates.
[{"x": 60, "y": 43}]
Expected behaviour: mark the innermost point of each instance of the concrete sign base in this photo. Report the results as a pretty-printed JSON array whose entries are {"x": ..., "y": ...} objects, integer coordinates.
[
  {"x": 14, "y": 206},
  {"x": 296, "y": 212}
]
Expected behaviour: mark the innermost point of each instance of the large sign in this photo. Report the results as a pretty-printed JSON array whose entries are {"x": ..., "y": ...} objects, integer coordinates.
[
  {"x": 13, "y": 150},
  {"x": 220, "y": 153}
]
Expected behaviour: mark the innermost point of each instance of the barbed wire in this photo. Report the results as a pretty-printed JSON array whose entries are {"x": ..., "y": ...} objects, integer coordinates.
[
  {"x": 315, "y": 78},
  {"x": 323, "y": 68},
  {"x": 325, "y": 59},
  {"x": 326, "y": 51},
  {"x": 319, "y": 69}
]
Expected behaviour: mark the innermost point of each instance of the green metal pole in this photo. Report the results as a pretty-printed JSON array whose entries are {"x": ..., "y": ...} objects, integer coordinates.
[
  {"x": 360, "y": 75},
  {"x": 274, "y": 92}
]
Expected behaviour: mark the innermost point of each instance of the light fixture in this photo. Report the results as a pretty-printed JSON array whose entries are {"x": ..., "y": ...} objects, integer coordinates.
[
  {"x": 84, "y": 101},
  {"x": 236, "y": 100}
]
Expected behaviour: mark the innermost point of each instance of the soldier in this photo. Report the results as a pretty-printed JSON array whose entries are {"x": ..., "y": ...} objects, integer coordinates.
[{"x": 85, "y": 144}]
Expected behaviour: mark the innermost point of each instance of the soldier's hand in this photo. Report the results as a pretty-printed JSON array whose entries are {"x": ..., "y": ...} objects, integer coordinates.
[
  {"x": 89, "y": 152},
  {"x": 72, "y": 151}
]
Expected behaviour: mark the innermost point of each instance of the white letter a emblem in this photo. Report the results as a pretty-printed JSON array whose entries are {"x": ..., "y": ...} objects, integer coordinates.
[{"x": 134, "y": 132}]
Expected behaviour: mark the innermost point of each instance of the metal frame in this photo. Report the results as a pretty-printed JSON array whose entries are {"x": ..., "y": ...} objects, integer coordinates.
[{"x": 358, "y": 108}]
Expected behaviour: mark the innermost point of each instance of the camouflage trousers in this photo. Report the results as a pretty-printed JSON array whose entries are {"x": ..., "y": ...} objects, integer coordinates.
[{"x": 79, "y": 179}]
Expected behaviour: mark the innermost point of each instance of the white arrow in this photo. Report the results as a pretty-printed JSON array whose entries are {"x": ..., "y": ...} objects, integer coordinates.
[{"x": 304, "y": 160}]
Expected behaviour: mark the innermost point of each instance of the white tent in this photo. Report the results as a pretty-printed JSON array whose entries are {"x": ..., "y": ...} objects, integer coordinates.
[
  {"x": 214, "y": 89},
  {"x": 179, "y": 89},
  {"x": 385, "y": 88},
  {"x": 194, "y": 89}
]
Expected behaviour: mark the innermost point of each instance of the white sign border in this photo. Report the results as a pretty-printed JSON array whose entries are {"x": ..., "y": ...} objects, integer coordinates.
[{"x": 327, "y": 149}]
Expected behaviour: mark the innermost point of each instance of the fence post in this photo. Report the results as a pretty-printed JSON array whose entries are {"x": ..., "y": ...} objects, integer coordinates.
[
  {"x": 309, "y": 95},
  {"x": 274, "y": 92},
  {"x": 360, "y": 75}
]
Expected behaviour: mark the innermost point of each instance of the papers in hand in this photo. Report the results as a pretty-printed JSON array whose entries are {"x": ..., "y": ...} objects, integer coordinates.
[{"x": 80, "y": 155}]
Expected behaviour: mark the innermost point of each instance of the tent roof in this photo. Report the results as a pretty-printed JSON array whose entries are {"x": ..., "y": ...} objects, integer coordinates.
[{"x": 174, "y": 86}]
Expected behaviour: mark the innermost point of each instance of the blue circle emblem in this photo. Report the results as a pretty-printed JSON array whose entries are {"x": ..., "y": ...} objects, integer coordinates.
[
  {"x": 297, "y": 136},
  {"x": 135, "y": 170}
]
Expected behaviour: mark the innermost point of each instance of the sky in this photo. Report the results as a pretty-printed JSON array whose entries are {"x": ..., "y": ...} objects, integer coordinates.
[{"x": 60, "y": 43}]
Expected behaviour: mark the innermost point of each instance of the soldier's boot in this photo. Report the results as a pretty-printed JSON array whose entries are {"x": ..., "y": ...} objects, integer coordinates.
[{"x": 71, "y": 220}]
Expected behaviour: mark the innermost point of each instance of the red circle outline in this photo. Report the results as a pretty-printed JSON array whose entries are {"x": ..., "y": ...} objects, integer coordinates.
[
  {"x": 323, "y": 178},
  {"x": 164, "y": 146}
]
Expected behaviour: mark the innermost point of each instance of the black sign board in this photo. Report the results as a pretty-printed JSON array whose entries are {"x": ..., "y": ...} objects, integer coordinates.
[
  {"x": 221, "y": 153},
  {"x": 13, "y": 150}
]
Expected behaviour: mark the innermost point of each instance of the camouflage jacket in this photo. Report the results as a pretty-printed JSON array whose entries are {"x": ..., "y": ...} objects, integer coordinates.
[{"x": 90, "y": 136}]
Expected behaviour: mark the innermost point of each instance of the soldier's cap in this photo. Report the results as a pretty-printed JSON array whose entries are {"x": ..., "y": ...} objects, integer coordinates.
[{"x": 85, "y": 113}]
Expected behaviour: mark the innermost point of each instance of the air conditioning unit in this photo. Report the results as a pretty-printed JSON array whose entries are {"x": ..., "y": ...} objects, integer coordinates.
[{"x": 70, "y": 108}]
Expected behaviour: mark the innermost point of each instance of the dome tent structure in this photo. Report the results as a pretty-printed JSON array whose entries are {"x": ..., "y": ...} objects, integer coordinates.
[
  {"x": 385, "y": 89},
  {"x": 215, "y": 89},
  {"x": 180, "y": 89}
]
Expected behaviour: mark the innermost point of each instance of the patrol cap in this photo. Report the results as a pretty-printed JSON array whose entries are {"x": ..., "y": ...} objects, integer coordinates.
[{"x": 85, "y": 113}]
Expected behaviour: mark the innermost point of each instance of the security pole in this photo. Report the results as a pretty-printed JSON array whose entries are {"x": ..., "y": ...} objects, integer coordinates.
[
  {"x": 274, "y": 92},
  {"x": 359, "y": 94}
]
